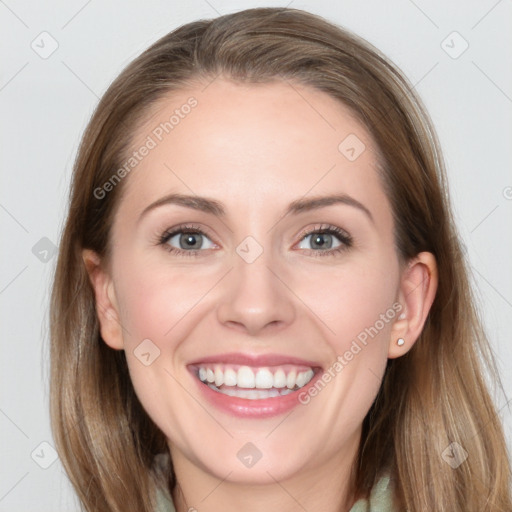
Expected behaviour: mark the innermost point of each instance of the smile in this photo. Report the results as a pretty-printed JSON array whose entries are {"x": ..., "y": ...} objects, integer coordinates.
[
  {"x": 253, "y": 386},
  {"x": 254, "y": 383}
]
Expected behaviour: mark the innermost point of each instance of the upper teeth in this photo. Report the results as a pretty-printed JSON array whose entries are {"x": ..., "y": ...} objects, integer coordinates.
[{"x": 260, "y": 378}]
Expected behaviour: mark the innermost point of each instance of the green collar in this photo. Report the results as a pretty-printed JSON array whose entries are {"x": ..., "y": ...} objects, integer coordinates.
[{"x": 380, "y": 500}]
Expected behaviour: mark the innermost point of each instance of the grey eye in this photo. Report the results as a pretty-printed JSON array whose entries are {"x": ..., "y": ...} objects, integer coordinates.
[
  {"x": 192, "y": 241},
  {"x": 320, "y": 240}
]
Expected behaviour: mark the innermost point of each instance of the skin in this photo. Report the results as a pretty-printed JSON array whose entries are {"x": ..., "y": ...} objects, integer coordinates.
[{"x": 256, "y": 148}]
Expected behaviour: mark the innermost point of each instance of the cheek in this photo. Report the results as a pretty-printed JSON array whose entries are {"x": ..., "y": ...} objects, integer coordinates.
[
  {"x": 351, "y": 299},
  {"x": 156, "y": 303},
  {"x": 355, "y": 304},
  {"x": 154, "y": 298},
  {"x": 157, "y": 300}
]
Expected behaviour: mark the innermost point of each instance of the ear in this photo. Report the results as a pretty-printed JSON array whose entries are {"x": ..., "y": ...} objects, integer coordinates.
[
  {"x": 418, "y": 286},
  {"x": 106, "y": 304}
]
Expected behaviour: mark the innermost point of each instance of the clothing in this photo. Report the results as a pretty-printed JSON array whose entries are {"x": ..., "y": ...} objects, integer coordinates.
[{"x": 381, "y": 499}]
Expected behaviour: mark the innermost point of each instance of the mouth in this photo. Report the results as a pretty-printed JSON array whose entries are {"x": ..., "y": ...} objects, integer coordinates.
[
  {"x": 254, "y": 383},
  {"x": 256, "y": 388}
]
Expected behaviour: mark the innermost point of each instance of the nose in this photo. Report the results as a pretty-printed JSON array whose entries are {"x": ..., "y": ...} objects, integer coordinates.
[{"x": 256, "y": 298}]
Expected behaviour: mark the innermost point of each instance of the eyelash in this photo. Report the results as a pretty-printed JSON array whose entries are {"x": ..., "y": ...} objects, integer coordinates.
[{"x": 343, "y": 236}]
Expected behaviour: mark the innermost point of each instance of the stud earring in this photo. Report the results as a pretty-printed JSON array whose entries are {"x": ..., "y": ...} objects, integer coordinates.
[{"x": 400, "y": 342}]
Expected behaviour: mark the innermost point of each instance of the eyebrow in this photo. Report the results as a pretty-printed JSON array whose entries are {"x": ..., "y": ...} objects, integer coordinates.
[{"x": 208, "y": 205}]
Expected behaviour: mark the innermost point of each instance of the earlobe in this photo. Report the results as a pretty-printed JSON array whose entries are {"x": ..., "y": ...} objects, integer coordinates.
[
  {"x": 105, "y": 299},
  {"x": 418, "y": 287}
]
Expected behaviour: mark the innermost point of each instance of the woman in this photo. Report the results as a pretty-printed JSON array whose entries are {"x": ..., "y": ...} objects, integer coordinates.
[{"x": 260, "y": 299}]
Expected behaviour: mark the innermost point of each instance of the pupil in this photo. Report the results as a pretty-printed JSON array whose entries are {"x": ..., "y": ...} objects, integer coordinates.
[
  {"x": 319, "y": 240},
  {"x": 190, "y": 241}
]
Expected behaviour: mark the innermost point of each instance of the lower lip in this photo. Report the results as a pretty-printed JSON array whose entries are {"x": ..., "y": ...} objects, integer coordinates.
[{"x": 263, "y": 408}]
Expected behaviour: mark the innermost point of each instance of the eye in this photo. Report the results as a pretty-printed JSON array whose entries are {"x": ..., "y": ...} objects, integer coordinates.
[
  {"x": 186, "y": 240},
  {"x": 326, "y": 240},
  {"x": 191, "y": 240}
]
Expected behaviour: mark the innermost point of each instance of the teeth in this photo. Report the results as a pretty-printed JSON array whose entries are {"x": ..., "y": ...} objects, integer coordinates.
[
  {"x": 230, "y": 377},
  {"x": 279, "y": 379},
  {"x": 245, "y": 378},
  {"x": 219, "y": 376},
  {"x": 264, "y": 379},
  {"x": 251, "y": 394},
  {"x": 290, "y": 380},
  {"x": 301, "y": 379}
]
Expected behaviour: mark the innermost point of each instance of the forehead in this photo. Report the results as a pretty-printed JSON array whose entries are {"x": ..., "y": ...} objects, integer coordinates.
[{"x": 269, "y": 143}]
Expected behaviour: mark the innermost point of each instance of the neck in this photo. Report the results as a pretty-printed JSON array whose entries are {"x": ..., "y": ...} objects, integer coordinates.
[{"x": 328, "y": 487}]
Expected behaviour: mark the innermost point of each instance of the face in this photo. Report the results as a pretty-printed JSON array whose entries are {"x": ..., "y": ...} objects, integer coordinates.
[{"x": 250, "y": 284}]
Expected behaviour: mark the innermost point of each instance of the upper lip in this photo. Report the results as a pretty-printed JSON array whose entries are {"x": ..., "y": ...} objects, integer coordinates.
[{"x": 255, "y": 360}]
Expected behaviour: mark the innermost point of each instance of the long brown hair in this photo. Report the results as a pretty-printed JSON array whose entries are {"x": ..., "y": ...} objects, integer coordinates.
[{"x": 433, "y": 396}]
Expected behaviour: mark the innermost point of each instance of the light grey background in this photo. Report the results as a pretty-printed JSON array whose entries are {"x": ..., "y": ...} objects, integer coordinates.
[{"x": 46, "y": 103}]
